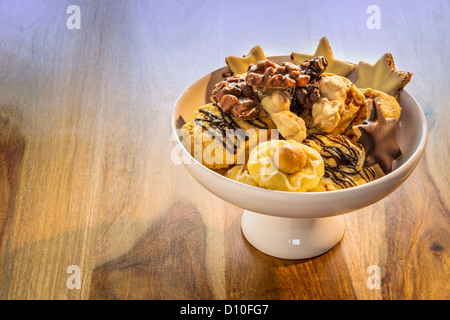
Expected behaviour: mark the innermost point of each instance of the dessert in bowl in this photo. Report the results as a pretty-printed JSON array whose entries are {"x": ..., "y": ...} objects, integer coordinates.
[{"x": 297, "y": 141}]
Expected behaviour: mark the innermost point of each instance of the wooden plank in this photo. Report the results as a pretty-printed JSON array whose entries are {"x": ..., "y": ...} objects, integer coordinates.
[{"x": 87, "y": 180}]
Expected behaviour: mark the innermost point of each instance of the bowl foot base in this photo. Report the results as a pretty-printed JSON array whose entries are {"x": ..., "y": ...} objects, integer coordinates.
[{"x": 292, "y": 238}]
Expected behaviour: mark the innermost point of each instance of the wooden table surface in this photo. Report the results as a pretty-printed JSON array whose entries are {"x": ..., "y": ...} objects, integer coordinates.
[{"x": 88, "y": 190}]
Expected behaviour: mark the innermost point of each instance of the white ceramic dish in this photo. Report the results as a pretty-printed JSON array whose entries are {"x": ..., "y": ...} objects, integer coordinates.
[{"x": 298, "y": 225}]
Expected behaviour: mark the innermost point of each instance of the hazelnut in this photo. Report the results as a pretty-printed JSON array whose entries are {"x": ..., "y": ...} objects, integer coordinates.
[{"x": 289, "y": 158}]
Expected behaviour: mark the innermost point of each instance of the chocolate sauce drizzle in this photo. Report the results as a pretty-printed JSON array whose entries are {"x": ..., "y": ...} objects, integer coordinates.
[
  {"x": 258, "y": 123},
  {"x": 225, "y": 130},
  {"x": 345, "y": 156}
]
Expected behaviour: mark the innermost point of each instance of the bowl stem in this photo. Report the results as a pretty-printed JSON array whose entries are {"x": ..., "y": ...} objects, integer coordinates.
[{"x": 292, "y": 238}]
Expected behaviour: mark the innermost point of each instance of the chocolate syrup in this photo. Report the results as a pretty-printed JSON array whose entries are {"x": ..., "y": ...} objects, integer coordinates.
[
  {"x": 224, "y": 129},
  {"x": 345, "y": 156},
  {"x": 260, "y": 125}
]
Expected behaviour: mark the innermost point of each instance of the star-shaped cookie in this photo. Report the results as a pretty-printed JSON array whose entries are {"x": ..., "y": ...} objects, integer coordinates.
[
  {"x": 382, "y": 76},
  {"x": 239, "y": 65},
  {"x": 377, "y": 135},
  {"x": 339, "y": 67}
]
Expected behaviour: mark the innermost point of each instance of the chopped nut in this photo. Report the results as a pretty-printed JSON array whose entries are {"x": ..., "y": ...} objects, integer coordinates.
[
  {"x": 247, "y": 110},
  {"x": 271, "y": 75},
  {"x": 314, "y": 67},
  {"x": 234, "y": 96},
  {"x": 304, "y": 97},
  {"x": 305, "y": 94}
]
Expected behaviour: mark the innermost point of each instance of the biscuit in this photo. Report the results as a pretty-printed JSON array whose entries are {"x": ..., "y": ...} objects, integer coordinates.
[
  {"x": 219, "y": 140},
  {"x": 264, "y": 170},
  {"x": 239, "y": 65},
  {"x": 335, "y": 66},
  {"x": 352, "y": 100},
  {"x": 388, "y": 104},
  {"x": 382, "y": 76},
  {"x": 341, "y": 163},
  {"x": 240, "y": 173},
  {"x": 377, "y": 135}
]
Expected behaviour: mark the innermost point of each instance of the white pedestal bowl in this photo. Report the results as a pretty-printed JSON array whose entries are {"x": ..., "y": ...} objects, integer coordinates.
[{"x": 298, "y": 225}]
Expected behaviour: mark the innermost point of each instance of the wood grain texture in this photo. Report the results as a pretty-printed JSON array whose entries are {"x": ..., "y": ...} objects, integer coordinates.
[{"x": 86, "y": 176}]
